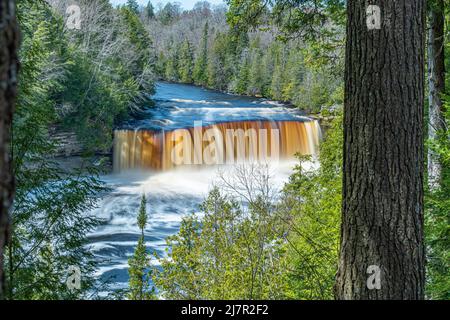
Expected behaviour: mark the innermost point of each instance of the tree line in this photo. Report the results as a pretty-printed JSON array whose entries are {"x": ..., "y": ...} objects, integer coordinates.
[{"x": 198, "y": 47}]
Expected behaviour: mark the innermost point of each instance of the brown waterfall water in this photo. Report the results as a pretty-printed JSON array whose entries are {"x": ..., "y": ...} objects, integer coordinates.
[{"x": 239, "y": 140}]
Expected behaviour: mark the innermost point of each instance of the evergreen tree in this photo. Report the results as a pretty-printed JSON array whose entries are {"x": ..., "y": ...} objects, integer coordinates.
[
  {"x": 139, "y": 264},
  {"x": 293, "y": 76},
  {"x": 228, "y": 253},
  {"x": 142, "y": 216},
  {"x": 172, "y": 62},
  {"x": 140, "y": 40},
  {"x": 219, "y": 63},
  {"x": 242, "y": 78},
  {"x": 311, "y": 201},
  {"x": 201, "y": 63},
  {"x": 133, "y": 6},
  {"x": 150, "y": 10},
  {"x": 51, "y": 214},
  {"x": 276, "y": 84},
  {"x": 160, "y": 66},
  {"x": 67, "y": 81},
  {"x": 186, "y": 62},
  {"x": 255, "y": 73},
  {"x": 169, "y": 13}
]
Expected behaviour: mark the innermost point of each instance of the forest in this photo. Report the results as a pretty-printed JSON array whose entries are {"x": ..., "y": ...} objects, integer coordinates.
[{"x": 378, "y": 196}]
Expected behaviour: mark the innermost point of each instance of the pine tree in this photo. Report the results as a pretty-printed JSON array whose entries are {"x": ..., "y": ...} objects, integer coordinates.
[
  {"x": 139, "y": 263},
  {"x": 276, "y": 85},
  {"x": 169, "y": 13},
  {"x": 243, "y": 74},
  {"x": 133, "y": 6},
  {"x": 142, "y": 216},
  {"x": 293, "y": 75},
  {"x": 150, "y": 10},
  {"x": 58, "y": 213},
  {"x": 185, "y": 62},
  {"x": 255, "y": 73},
  {"x": 171, "y": 67},
  {"x": 220, "y": 62},
  {"x": 201, "y": 64}
]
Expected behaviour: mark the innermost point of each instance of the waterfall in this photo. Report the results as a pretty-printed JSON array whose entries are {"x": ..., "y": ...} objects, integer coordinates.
[{"x": 221, "y": 143}]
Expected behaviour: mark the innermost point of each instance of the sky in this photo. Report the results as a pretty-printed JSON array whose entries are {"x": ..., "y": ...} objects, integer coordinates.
[{"x": 186, "y": 4}]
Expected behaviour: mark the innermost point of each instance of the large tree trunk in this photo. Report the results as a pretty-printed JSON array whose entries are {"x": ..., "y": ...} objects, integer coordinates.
[
  {"x": 382, "y": 212},
  {"x": 436, "y": 75},
  {"x": 9, "y": 40}
]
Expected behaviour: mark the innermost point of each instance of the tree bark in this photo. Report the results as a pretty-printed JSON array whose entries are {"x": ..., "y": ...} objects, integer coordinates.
[
  {"x": 9, "y": 43},
  {"x": 382, "y": 211},
  {"x": 436, "y": 82}
]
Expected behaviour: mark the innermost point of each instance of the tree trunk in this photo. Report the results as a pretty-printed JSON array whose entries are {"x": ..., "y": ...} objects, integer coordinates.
[
  {"x": 382, "y": 211},
  {"x": 436, "y": 74},
  {"x": 9, "y": 42}
]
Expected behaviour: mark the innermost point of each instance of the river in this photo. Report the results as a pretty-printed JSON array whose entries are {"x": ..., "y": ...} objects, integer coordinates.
[{"x": 143, "y": 165}]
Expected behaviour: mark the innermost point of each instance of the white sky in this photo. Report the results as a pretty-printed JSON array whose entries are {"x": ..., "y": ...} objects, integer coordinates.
[{"x": 186, "y": 4}]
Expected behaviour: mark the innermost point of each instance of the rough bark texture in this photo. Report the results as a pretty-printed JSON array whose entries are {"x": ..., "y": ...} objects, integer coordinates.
[
  {"x": 382, "y": 212},
  {"x": 436, "y": 82},
  {"x": 9, "y": 40}
]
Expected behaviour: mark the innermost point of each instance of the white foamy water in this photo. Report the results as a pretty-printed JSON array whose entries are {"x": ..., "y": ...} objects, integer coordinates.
[{"x": 170, "y": 196}]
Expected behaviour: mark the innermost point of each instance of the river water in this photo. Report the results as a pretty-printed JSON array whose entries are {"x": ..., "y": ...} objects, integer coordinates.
[{"x": 175, "y": 192}]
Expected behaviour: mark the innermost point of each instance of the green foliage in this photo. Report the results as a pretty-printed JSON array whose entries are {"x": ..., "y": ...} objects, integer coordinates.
[
  {"x": 51, "y": 221},
  {"x": 96, "y": 86},
  {"x": 50, "y": 216},
  {"x": 139, "y": 264},
  {"x": 171, "y": 65},
  {"x": 201, "y": 64},
  {"x": 255, "y": 73},
  {"x": 232, "y": 252},
  {"x": 312, "y": 200},
  {"x": 169, "y": 13},
  {"x": 93, "y": 116},
  {"x": 140, "y": 40},
  {"x": 133, "y": 6},
  {"x": 186, "y": 62},
  {"x": 67, "y": 79},
  {"x": 142, "y": 216},
  {"x": 437, "y": 203},
  {"x": 242, "y": 79},
  {"x": 140, "y": 276},
  {"x": 310, "y": 20},
  {"x": 219, "y": 65},
  {"x": 150, "y": 10},
  {"x": 437, "y": 221}
]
